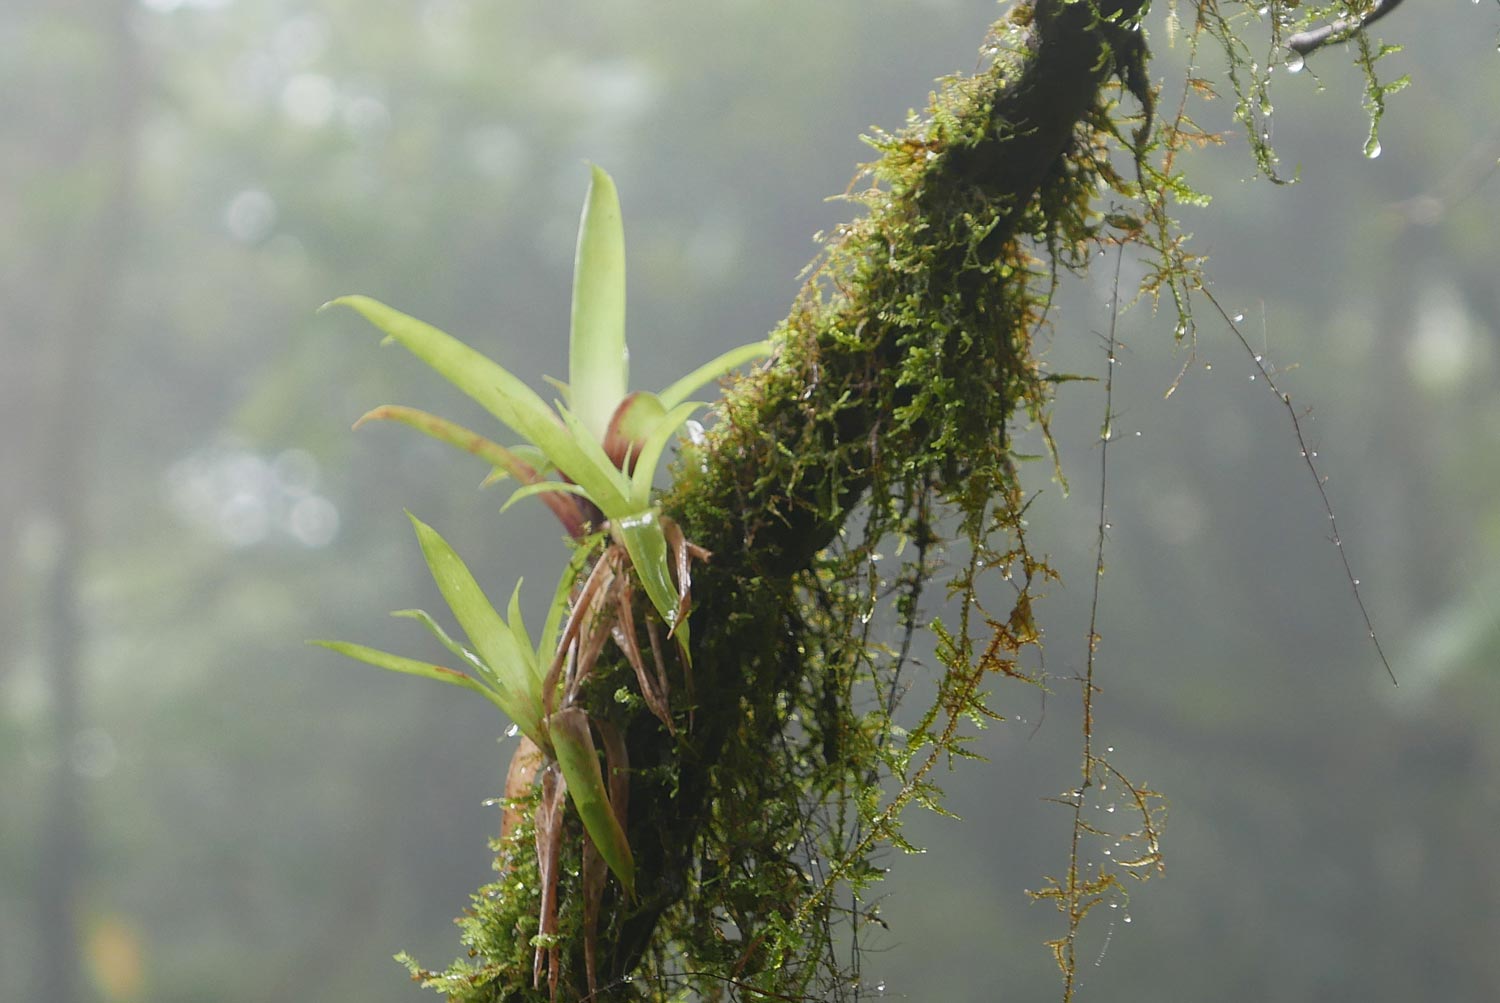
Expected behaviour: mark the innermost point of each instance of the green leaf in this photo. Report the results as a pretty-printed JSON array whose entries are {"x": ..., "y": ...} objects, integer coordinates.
[
  {"x": 458, "y": 437},
  {"x": 598, "y": 363},
  {"x": 607, "y": 487},
  {"x": 561, "y": 598},
  {"x": 526, "y": 463},
  {"x": 541, "y": 488},
  {"x": 494, "y": 388},
  {"x": 491, "y": 637},
  {"x": 710, "y": 371},
  {"x": 565, "y": 391},
  {"x": 426, "y": 670},
  {"x": 517, "y": 622},
  {"x": 458, "y": 650},
  {"x": 574, "y": 746},
  {"x": 647, "y": 545},
  {"x": 527, "y": 454},
  {"x": 652, "y": 448}
]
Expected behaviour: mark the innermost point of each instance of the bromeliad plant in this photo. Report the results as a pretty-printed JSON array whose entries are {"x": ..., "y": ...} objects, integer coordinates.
[{"x": 605, "y": 444}]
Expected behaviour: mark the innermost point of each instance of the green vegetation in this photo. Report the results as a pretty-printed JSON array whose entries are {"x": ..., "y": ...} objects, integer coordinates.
[
  {"x": 607, "y": 448},
  {"x": 883, "y": 424},
  {"x": 202, "y": 808}
]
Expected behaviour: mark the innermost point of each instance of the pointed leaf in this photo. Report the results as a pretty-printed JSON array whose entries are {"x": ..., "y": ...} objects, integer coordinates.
[
  {"x": 457, "y": 436},
  {"x": 576, "y": 755},
  {"x": 514, "y": 618},
  {"x": 545, "y": 488},
  {"x": 598, "y": 363},
  {"x": 521, "y": 463},
  {"x": 527, "y": 454},
  {"x": 710, "y": 371},
  {"x": 426, "y": 670},
  {"x": 491, "y": 386},
  {"x": 562, "y": 388},
  {"x": 468, "y": 657},
  {"x": 489, "y": 634}
]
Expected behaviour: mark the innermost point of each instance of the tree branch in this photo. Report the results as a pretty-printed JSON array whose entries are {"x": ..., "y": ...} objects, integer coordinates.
[
  {"x": 798, "y": 445},
  {"x": 1341, "y": 30}
]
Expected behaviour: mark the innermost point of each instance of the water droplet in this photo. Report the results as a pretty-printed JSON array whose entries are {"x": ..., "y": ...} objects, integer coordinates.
[
  {"x": 1252, "y": 377},
  {"x": 1356, "y": 582},
  {"x": 1127, "y": 919},
  {"x": 1295, "y": 62},
  {"x": 1238, "y": 317},
  {"x": 1372, "y": 148},
  {"x": 512, "y": 731}
]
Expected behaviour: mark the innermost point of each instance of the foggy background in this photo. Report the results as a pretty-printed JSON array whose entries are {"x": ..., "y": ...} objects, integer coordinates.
[{"x": 195, "y": 805}]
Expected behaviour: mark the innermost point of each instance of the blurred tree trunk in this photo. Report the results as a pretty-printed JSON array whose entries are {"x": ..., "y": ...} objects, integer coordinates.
[{"x": 94, "y": 157}]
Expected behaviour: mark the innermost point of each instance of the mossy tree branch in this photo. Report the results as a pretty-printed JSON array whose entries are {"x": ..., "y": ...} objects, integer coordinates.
[
  {"x": 799, "y": 444},
  {"x": 896, "y": 375}
]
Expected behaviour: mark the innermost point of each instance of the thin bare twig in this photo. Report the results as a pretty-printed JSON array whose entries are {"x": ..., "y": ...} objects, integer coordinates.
[
  {"x": 1074, "y": 889},
  {"x": 1312, "y": 467}
]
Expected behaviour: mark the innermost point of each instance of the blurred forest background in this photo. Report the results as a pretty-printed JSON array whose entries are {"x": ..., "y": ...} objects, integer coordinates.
[{"x": 197, "y": 806}]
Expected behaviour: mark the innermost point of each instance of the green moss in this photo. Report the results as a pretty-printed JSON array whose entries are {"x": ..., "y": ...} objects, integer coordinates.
[{"x": 869, "y": 466}]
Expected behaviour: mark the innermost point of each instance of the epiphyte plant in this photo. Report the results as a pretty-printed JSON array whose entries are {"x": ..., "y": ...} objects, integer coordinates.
[{"x": 606, "y": 443}]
